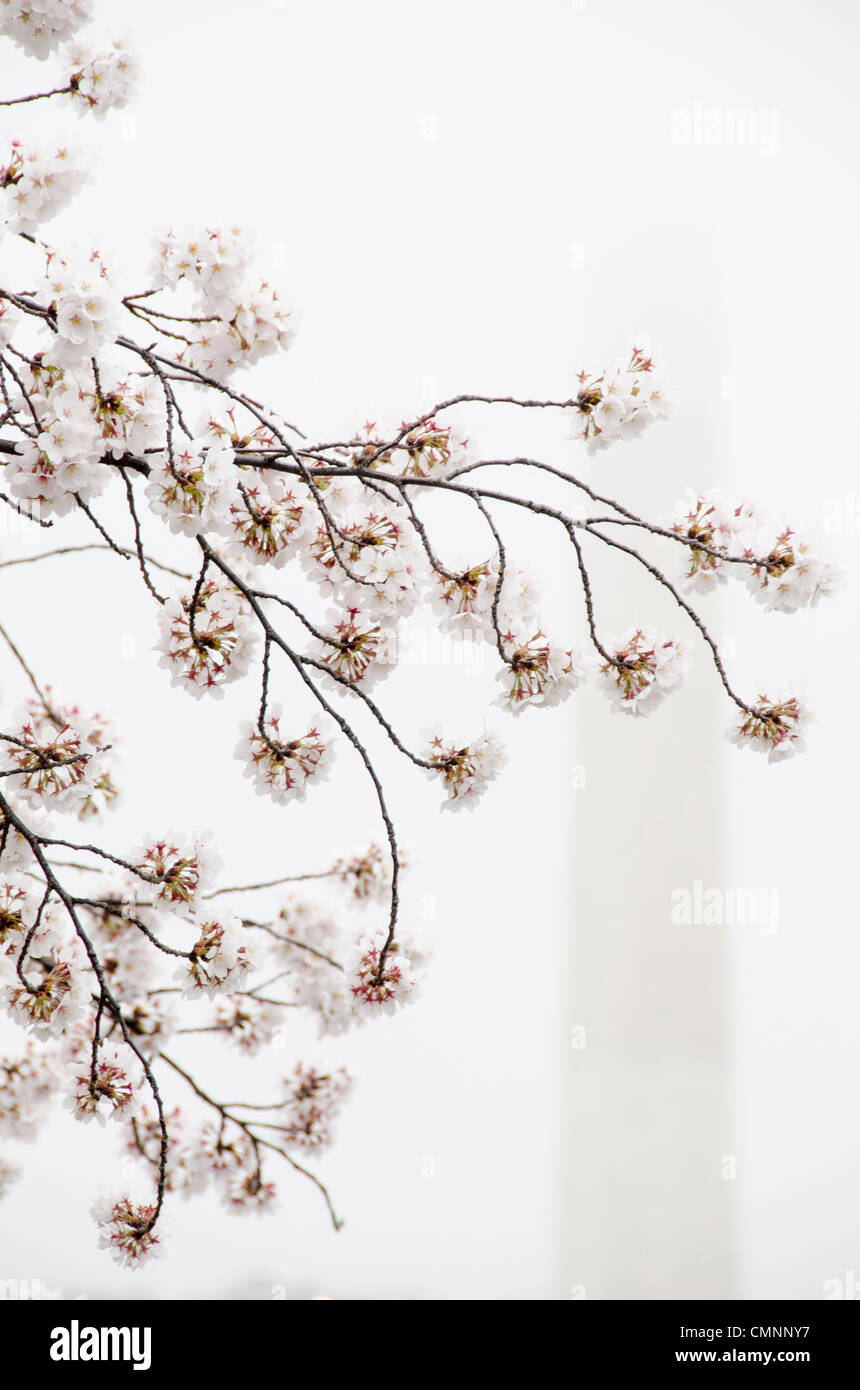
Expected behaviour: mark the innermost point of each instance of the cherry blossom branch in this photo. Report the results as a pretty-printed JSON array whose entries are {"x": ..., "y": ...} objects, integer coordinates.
[
  {"x": 256, "y": 1141},
  {"x": 53, "y": 885},
  {"x": 37, "y": 96},
  {"x": 25, "y": 668},
  {"x": 80, "y": 549},
  {"x": 82, "y": 403},
  {"x": 298, "y": 665}
]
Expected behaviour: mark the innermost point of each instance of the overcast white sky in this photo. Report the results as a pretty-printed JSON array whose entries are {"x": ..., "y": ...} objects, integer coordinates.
[{"x": 475, "y": 197}]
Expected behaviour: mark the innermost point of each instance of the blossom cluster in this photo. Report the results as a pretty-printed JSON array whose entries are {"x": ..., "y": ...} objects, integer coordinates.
[
  {"x": 220, "y": 957},
  {"x": 40, "y": 26},
  {"x": 106, "y": 1083},
  {"x": 27, "y": 1084},
  {"x": 45, "y": 978},
  {"x": 207, "y": 638},
  {"x": 314, "y": 1095},
  {"x": 54, "y": 758},
  {"x": 642, "y": 668},
  {"x": 366, "y": 873},
  {"x": 379, "y": 983},
  {"x": 203, "y": 1155},
  {"x": 773, "y": 727},
  {"x": 180, "y": 869},
  {"x": 429, "y": 449},
  {"x": 619, "y": 399},
  {"x": 233, "y": 322},
  {"x": 282, "y": 767},
  {"x": 782, "y": 568},
  {"x": 465, "y": 769},
  {"x": 102, "y": 78},
  {"x": 190, "y": 487},
  {"x": 127, "y": 1229},
  {"x": 536, "y": 670},
  {"x": 37, "y": 181}
]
